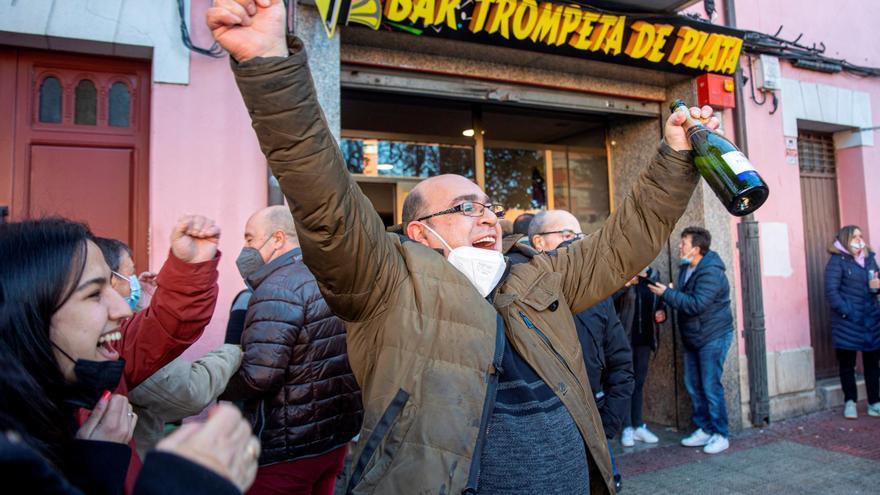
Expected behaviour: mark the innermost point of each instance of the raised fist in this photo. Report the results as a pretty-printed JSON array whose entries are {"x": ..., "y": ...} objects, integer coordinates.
[
  {"x": 249, "y": 28},
  {"x": 194, "y": 239}
]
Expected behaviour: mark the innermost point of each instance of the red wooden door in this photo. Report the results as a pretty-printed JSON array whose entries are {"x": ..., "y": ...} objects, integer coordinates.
[{"x": 80, "y": 127}]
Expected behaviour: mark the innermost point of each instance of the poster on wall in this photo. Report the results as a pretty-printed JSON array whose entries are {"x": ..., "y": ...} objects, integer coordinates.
[{"x": 665, "y": 42}]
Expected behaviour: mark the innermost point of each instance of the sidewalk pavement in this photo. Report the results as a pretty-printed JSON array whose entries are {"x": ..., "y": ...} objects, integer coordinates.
[{"x": 822, "y": 453}]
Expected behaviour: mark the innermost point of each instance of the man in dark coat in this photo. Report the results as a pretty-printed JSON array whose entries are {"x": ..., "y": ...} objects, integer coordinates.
[
  {"x": 705, "y": 322},
  {"x": 641, "y": 313},
  {"x": 300, "y": 395}
]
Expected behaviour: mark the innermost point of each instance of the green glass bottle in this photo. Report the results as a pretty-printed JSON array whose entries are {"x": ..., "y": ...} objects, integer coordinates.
[{"x": 725, "y": 168}]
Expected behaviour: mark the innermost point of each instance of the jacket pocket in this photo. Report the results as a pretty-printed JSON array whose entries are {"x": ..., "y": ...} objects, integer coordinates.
[
  {"x": 381, "y": 447},
  {"x": 544, "y": 292}
]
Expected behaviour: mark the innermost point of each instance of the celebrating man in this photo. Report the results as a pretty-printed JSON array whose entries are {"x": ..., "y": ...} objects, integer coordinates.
[{"x": 442, "y": 333}]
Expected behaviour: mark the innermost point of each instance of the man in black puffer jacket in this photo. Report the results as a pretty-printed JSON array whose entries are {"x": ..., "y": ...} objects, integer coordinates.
[
  {"x": 702, "y": 303},
  {"x": 300, "y": 394}
]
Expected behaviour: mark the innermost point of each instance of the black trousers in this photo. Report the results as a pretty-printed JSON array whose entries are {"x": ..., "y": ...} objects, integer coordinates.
[
  {"x": 847, "y": 362},
  {"x": 641, "y": 360}
]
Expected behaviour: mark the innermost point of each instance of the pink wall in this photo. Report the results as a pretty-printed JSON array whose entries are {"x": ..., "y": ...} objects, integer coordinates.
[
  {"x": 785, "y": 298},
  {"x": 204, "y": 159}
]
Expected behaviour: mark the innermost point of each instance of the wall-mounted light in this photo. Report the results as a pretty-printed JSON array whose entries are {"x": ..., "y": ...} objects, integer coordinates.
[
  {"x": 467, "y": 133},
  {"x": 384, "y": 167}
]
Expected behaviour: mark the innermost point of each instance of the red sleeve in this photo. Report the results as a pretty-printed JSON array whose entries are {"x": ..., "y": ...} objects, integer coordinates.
[{"x": 181, "y": 308}]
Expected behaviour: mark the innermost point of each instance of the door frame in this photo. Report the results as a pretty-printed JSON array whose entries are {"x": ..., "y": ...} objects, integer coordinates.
[{"x": 29, "y": 132}]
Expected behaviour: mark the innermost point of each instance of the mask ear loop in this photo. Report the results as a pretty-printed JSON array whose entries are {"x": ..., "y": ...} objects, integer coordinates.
[
  {"x": 53, "y": 344},
  {"x": 436, "y": 235}
]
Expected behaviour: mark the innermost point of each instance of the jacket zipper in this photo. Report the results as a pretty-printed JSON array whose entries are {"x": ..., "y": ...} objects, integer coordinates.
[
  {"x": 262, "y": 410},
  {"x": 495, "y": 370},
  {"x": 547, "y": 342}
]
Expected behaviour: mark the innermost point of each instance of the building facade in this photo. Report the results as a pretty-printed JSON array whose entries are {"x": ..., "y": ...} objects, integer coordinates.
[{"x": 107, "y": 117}]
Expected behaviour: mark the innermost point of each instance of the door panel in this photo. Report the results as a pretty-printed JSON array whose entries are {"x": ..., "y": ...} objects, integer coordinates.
[
  {"x": 84, "y": 184},
  {"x": 79, "y": 141},
  {"x": 818, "y": 179}
]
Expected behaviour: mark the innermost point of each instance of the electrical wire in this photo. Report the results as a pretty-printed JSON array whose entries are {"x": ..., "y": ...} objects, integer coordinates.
[
  {"x": 214, "y": 51},
  {"x": 772, "y": 44}
]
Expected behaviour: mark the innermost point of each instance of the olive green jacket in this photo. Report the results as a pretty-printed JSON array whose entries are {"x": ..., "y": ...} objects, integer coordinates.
[{"x": 423, "y": 344}]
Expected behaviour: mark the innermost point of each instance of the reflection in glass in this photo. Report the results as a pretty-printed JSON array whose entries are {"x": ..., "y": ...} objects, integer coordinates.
[
  {"x": 406, "y": 159},
  {"x": 515, "y": 178},
  {"x": 119, "y": 103},
  {"x": 50, "y": 100},
  {"x": 580, "y": 185},
  {"x": 85, "y": 103}
]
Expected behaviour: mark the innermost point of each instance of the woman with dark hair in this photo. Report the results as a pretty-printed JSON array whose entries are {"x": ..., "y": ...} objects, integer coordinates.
[
  {"x": 60, "y": 324},
  {"x": 851, "y": 286}
]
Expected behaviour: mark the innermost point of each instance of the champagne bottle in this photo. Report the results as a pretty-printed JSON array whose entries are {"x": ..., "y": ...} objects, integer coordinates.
[{"x": 725, "y": 168}]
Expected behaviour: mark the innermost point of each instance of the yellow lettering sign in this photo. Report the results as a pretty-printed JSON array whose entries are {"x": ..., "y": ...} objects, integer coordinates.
[
  {"x": 731, "y": 59},
  {"x": 499, "y": 18},
  {"x": 614, "y": 41},
  {"x": 445, "y": 12},
  {"x": 663, "y": 32},
  {"x": 424, "y": 10},
  {"x": 688, "y": 38},
  {"x": 478, "y": 18},
  {"x": 581, "y": 39},
  {"x": 524, "y": 19},
  {"x": 397, "y": 10},
  {"x": 641, "y": 40},
  {"x": 547, "y": 26},
  {"x": 571, "y": 18}
]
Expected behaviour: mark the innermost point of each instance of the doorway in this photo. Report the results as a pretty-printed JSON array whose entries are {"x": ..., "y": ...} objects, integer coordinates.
[
  {"x": 525, "y": 158},
  {"x": 821, "y": 213},
  {"x": 78, "y": 141}
]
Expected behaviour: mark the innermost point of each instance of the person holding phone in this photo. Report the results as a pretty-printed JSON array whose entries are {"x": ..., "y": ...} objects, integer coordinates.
[
  {"x": 851, "y": 287},
  {"x": 705, "y": 322}
]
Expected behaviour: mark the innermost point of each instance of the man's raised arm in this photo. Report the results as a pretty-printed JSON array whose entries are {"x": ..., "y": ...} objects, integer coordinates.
[
  {"x": 343, "y": 240},
  {"x": 634, "y": 234}
]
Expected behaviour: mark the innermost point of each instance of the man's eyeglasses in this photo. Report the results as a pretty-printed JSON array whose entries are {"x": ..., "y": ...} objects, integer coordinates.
[
  {"x": 567, "y": 234},
  {"x": 470, "y": 209}
]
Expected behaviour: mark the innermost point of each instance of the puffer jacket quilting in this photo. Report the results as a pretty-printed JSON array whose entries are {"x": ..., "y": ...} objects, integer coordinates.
[
  {"x": 855, "y": 313},
  {"x": 300, "y": 394},
  {"x": 702, "y": 303}
]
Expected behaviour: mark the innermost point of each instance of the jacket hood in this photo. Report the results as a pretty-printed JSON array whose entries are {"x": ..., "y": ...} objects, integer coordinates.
[
  {"x": 711, "y": 259},
  {"x": 268, "y": 269}
]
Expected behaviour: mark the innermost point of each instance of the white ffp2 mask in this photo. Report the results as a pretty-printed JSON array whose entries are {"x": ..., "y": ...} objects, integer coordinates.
[{"x": 484, "y": 268}]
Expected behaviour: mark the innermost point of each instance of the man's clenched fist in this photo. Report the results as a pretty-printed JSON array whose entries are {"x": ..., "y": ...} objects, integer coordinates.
[{"x": 249, "y": 28}]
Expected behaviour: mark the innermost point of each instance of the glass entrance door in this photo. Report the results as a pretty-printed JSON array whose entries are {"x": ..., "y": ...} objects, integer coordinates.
[{"x": 527, "y": 160}]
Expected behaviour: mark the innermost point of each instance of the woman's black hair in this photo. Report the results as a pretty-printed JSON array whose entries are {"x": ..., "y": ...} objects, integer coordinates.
[{"x": 40, "y": 264}]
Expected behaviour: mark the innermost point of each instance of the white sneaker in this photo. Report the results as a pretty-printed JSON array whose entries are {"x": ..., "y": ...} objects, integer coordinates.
[
  {"x": 626, "y": 438},
  {"x": 874, "y": 409},
  {"x": 849, "y": 410},
  {"x": 698, "y": 438},
  {"x": 643, "y": 434},
  {"x": 716, "y": 444}
]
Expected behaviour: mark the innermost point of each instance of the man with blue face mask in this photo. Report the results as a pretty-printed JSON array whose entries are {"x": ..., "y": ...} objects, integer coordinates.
[
  {"x": 705, "y": 322},
  {"x": 124, "y": 280},
  {"x": 181, "y": 388},
  {"x": 442, "y": 332}
]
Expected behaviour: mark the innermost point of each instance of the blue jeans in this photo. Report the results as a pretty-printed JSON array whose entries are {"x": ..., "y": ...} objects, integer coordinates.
[{"x": 702, "y": 377}]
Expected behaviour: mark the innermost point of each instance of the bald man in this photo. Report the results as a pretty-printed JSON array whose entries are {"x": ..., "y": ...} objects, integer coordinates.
[
  {"x": 472, "y": 374},
  {"x": 299, "y": 392}
]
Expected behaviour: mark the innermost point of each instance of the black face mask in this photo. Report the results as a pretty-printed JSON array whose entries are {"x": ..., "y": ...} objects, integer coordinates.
[{"x": 92, "y": 379}]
